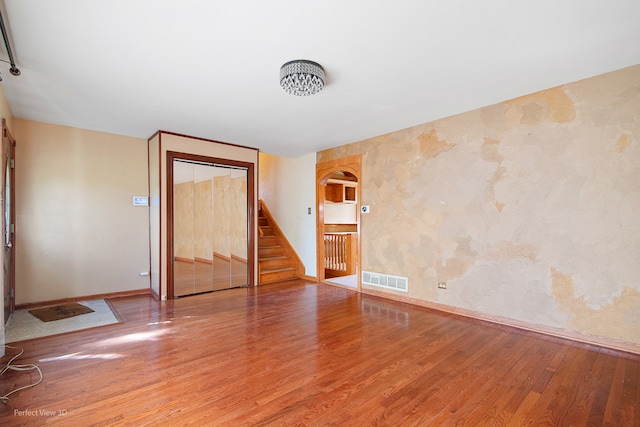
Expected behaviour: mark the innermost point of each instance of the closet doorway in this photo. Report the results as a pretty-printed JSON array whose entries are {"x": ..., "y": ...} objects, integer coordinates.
[{"x": 208, "y": 209}]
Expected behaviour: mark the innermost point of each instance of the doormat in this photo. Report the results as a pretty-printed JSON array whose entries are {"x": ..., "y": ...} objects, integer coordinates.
[{"x": 58, "y": 312}]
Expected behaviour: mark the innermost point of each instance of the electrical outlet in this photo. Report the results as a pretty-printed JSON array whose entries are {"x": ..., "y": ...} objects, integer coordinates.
[{"x": 442, "y": 285}]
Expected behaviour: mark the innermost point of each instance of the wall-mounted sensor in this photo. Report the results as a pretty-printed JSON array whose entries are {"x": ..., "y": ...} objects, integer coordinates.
[
  {"x": 140, "y": 201},
  {"x": 364, "y": 209}
]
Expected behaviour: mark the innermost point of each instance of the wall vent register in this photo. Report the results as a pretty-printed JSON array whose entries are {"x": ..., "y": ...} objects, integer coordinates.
[{"x": 387, "y": 281}]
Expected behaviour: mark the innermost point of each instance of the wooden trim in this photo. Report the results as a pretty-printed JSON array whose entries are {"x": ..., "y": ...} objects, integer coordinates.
[
  {"x": 341, "y": 228},
  {"x": 169, "y": 221},
  {"x": 187, "y": 260},
  {"x": 204, "y": 139},
  {"x": 154, "y": 135},
  {"x": 122, "y": 294},
  {"x": 282, "y": 238},
  {"x": 505, "y": 321},
  {"x": 161, "y": 271},
  {"x": 310, "y": 278}
]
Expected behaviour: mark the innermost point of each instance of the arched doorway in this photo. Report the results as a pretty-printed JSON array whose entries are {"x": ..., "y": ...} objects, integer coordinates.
[{"x": 338, "y": 221}]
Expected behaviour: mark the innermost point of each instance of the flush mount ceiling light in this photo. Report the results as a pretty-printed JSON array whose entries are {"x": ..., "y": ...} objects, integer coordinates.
[{"x": 302, "y": 77}]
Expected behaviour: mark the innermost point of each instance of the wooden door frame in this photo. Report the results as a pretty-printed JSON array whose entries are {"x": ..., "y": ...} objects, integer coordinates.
[
  {"x": 171, "y": 155},
  {"x": 12, "y": 237},
  {"x": 324, "y": 170}
]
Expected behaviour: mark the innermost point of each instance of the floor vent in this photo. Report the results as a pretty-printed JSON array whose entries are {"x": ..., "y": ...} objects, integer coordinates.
[{"x": 385, "y": 281}]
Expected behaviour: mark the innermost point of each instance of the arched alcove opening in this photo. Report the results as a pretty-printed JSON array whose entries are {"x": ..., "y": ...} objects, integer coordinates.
[{"x": 338, "y": 221}]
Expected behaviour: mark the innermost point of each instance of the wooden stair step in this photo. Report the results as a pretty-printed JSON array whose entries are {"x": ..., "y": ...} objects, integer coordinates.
[
  {"x": 273, "y": 262},
  {"x": 270, "y": 251},
  {"x": 266, "y": 230},
  {"x": 267, "y": 241},
  {"x": 278, "y": 274}
]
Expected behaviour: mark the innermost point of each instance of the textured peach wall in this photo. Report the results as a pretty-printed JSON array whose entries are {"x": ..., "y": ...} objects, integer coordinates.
[{"x": 528, "y": 209}]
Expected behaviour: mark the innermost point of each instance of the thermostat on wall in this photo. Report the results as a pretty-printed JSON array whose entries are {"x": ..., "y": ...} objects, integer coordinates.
[{"x": 140, "y": 201}]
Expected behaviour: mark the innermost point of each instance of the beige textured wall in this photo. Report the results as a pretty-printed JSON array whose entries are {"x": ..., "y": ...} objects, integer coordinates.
[
  {"x": 77, "y": 231},
  {"x": 528, "y": 209}
]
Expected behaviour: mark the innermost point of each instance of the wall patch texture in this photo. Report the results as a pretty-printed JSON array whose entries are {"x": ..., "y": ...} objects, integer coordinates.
[{"x": 528, "y": 209}]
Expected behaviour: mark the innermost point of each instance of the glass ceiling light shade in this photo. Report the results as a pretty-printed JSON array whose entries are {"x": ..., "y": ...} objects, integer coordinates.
[{"x": 302, "y": 77}]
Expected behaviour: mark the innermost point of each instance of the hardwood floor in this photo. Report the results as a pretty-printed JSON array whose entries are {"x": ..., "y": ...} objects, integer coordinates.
[{"x": 303, "y": 353}]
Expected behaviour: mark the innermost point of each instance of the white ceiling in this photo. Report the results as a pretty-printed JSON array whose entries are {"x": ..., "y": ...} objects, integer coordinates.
[{"x": 210, "y": 68}]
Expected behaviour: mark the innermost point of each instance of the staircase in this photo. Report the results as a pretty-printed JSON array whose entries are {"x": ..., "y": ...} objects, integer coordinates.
[{"x": 276, "y": 259}]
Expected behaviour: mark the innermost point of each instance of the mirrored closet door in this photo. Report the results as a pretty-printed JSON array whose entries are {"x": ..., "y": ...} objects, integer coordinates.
[{"x": 210, "y": 238}]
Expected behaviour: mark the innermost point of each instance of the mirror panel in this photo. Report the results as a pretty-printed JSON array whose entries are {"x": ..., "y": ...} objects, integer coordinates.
[
  {"x": 239, "y": 225},
  {"x": 221, "y": 232},
  {"x": 210, "y": 227},
  {"x": 183, "y": 229},
  {"x": 203, "y": 227}
]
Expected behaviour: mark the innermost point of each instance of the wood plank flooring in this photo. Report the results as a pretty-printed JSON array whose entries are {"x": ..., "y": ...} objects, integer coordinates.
[{"x": 309, "y": 354}]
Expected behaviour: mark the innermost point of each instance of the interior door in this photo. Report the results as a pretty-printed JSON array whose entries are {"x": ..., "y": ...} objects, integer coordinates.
[
  {"x": 8, "y": 214},
  {"x": 210, "y": 235}
]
